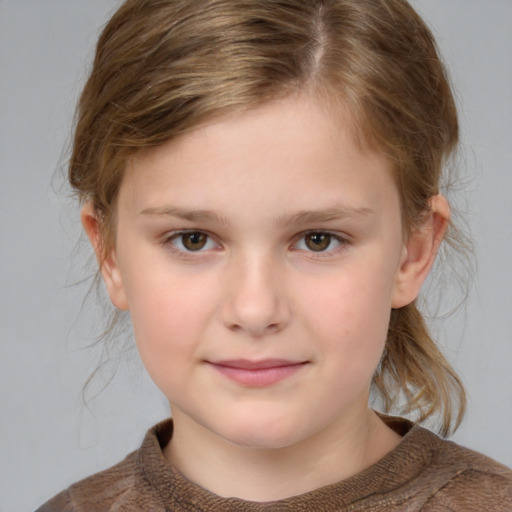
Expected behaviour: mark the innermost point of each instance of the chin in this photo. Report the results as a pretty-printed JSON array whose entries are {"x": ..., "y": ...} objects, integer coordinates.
[{"x": 260, "y": 434}]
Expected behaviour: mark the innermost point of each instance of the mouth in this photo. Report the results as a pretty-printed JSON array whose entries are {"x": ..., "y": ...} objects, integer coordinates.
[{"x": 256, "y": 374}]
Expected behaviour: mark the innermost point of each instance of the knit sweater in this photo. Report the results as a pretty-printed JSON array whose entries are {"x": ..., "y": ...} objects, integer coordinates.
[{"x": 423, "y": 473}]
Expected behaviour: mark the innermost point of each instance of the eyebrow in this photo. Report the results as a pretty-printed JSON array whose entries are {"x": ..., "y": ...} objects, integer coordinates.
[
  {"x": 325, "y": 215},
  {"x": 185, "y": 214},
  {"x": 301, "y": 217}
]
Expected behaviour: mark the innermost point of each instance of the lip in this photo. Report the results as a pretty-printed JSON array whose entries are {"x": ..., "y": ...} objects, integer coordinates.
[{"x": 256, "y": 374}]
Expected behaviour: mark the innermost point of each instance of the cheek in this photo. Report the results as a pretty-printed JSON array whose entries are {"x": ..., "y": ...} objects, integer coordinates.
[
  {"x": 169, "y": 316},
  {"x": 350, "y": 315},
  {"x": 358, "y": 302}
]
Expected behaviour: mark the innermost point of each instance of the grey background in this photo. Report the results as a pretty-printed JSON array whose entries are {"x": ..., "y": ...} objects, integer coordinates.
[{"x": 48, "y": 438}]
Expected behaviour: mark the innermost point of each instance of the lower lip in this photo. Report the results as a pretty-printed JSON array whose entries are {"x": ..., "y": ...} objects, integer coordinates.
[{"x": 258, "y": 377}]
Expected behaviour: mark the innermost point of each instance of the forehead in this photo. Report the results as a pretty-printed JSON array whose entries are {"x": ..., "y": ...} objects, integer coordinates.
[{"x": 292, "y": 152}]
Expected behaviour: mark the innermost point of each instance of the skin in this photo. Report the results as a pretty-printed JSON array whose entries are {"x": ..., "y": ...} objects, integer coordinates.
[{"x": 299, "y": 256}]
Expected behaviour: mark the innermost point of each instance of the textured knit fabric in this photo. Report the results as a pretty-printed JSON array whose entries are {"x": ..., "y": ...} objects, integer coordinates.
[{"x": 423, "y": 473}]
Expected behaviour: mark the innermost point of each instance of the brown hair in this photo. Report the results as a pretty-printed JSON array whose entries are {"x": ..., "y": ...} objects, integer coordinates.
[{"x": 162, "y": 67}]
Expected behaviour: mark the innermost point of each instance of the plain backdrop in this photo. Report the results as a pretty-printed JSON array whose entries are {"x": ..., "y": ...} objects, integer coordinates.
[{"x": 48, "y": 438}]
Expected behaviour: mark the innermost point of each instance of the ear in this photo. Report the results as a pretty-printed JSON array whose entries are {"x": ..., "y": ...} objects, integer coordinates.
[
  {"x": 109, "y": 267},
  {"x": 420, "y": 251}
]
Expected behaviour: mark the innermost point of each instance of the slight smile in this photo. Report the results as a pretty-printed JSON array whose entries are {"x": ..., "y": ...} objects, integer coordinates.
[{"x": 257, "y": 373}]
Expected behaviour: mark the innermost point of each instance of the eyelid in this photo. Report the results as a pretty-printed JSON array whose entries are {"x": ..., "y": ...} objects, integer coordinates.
[
  {"x": 343, "y": 241},
  {"x": 169, "y": 237}
]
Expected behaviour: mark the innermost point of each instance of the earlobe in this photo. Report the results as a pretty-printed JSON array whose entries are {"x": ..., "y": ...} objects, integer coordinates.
[
  {"x": 109, "y": 266},
  {"x": 420, "y": 251}
]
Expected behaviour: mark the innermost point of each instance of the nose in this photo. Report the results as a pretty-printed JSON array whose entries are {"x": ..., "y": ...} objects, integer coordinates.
[{"x": 255, "y": 301}]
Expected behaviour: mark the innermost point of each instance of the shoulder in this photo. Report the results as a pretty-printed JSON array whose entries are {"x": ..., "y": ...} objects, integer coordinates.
[
  {"x": 60, "y": 503},
  {"x": 99, "y": 491},
  {"x": 477, "y": 482},
  {"x": 432, "y": 474},
  {"x": 124, "y": 486}
]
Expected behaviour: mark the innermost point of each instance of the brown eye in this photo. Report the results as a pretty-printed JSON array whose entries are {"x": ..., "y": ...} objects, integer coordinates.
[
  {"x": 194, "y": 241},
  {"x": 318, "y": 241}
]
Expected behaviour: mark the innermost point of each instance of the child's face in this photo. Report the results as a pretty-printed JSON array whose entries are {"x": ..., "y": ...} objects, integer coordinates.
[{"x": 260, "y": 257}]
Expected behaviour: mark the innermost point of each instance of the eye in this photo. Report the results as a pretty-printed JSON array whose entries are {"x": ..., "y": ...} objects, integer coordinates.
[
  {"x": 192, "y": 241},
  {"x": 318, "y": 241}
]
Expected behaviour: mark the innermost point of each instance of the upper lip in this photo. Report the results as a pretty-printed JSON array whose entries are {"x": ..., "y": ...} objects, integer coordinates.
[{"x": 248, "y": 364}]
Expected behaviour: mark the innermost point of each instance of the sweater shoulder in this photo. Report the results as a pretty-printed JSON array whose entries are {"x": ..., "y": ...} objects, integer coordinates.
[
  {"x": 479, "y": 483},
  {"x": 472, "y": 460},
  {"x": 121, "y": 484},
  {"x": 60, "y": 503}
]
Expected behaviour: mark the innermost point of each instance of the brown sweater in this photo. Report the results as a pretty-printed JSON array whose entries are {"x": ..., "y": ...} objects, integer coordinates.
[{"x": 423, "y": 473}]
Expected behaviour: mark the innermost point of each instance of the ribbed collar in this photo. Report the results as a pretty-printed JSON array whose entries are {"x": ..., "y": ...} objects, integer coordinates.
[{"x": 394, "y": 478}]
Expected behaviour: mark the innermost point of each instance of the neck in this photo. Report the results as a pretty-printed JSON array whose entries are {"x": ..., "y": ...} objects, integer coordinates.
[{"x": 257, "y": 474}]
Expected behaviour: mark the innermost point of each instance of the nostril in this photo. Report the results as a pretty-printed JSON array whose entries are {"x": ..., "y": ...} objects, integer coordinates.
[{"x": 269, "y": 329}]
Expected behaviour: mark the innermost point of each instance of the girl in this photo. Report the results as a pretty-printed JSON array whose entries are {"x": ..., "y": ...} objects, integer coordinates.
[{"x": 260, "y": 184}]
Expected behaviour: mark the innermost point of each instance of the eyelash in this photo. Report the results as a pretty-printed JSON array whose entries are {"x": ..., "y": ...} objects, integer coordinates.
[
  {"x": 341, "y": 242},
  {"x": 171, "y": 238},
  {"x": 178, "y": 236}
]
